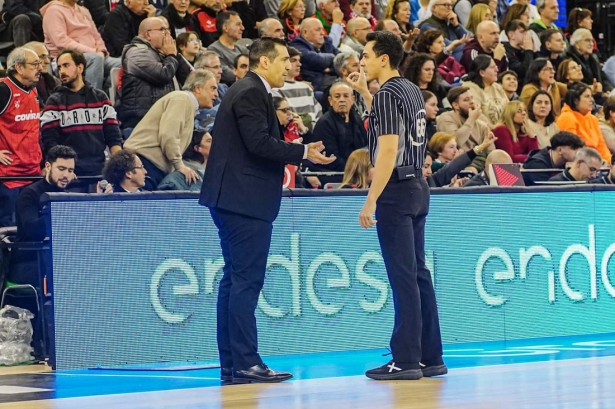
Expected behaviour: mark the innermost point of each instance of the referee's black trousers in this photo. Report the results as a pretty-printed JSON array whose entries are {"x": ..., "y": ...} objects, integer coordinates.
[{"x": 401, "y": 212}]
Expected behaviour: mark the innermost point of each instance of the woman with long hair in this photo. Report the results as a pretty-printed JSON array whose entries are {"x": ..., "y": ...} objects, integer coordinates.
[
  {"x": 399, "y": 10},
  {"x": 480, "y": 12},
  {"x": 431, "y": 42},
  {"x": 291, "y": 13},
  {"x": 358, "y": 171},
  {"x": 541, "y": 76},
  {"x": 488, "y": 94},
  {"x": 515, "y": 136},
  {"x": 542, "y": 118},
  {"x": 431, "y": 111},
  {"x": 422, "y": 72}
]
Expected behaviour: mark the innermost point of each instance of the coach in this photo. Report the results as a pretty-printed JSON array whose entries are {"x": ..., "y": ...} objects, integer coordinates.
[{"x": 242, "y": 187}]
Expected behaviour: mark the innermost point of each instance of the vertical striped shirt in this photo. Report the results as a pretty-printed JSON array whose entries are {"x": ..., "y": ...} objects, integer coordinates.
[{"x": 398, "y": 109}]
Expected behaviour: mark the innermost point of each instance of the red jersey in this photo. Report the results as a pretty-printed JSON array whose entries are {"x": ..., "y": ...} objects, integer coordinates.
[{"x": 19, "y": 133}]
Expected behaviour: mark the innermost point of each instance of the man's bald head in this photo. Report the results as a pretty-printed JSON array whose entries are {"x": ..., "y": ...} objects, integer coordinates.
[
  {"x": 311, "y": 31},
  {"x": 497, "y": 156},
  {"x": 358, "y": 28},
  {"x": 488, "y": 35},
  {"x": 150, "y": 23},
  {"x": 485, "y": 26}
]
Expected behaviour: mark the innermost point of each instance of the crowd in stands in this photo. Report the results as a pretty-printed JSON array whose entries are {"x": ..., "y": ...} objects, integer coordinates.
[{"x": 502, "y": 83}]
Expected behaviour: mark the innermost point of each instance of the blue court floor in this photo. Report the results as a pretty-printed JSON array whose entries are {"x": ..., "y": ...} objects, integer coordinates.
[{"x": 90, "y": 382}]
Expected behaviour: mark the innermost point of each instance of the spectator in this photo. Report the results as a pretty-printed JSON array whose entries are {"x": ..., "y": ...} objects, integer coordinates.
[
  {"x": 432, "y": 42},
  {"x": 515, "y": 135},
  {"x": 340, "y": 129},
  {"x": 290, "y": 121},
  {"x": 519, "y": 12},
  {"x": 358, "y": 171},
  {"x": 210, "y": 61},
  {"x": 123, "y": 24},
  {"x": 431, "y": 111},
  {"x": 464, "y": 122},
  {"x": 419, "y": 11},
  {"x": 69, "y": 25},
  {"x": 586, "y": 166},
  {"x": 541, "y": 76},
  {"x": 444, "y": 19},
  {"x": 508, "y": 80},
  {"x": 20, "y": 152},
  {"x": 271, "y": 27},
  {"x": 291, "y": 14},
  {"x": 345, "y": 64},
  {"x": 99, "y": 10},
  {"x": 149, "y": 65},
  {"x": 581, "y": 51},
  {"x": 241, "y": 66},
  {"x": 482, "y": 82},
  {"x": 361, "y": 8},
  {"x": 607, "y": 125},
  {"x": 332, "y": 19},
  {"x": 552, "y": 47},
  {"x": 206, "y": 16},
  {"x": 480, "y": 12},
  {"x": 422, "y": 72},
  {"x": 299, "y": 95},
  {"x": 390, "y": 26},
  {"x": 317, "y": 53},
  {"x": 443, "y": 147},
  {"x": 549, "y": 13},
  {"x": 165, "y": 132},
  {"x": 462, "y": 9},
  {"x": 231, "y": 28},
  {"x": 606, "y": 179},
  {"x": 180, "y": 20},
  {"x": 519, "y": 49},
  {"x": 125, "y": 172},
  {"x": 483, "y": 178},
  {"x": 542, "y": 118},
  {"x": 560, "y": 151},
  {"x": 354, "y": 40},
  {"x": 533, "y": 10},
  {"x": 46, "y": 82},
  {"x": 485, "y": 43},
  {"x": 81, "y": 117},
  {"x": 577, "y": 118},
  {"x": 580, "y": 18},
  {"x": 195, "y": 157},
  {"x": 570, "y": 72},
  {"x": 22, "y": 22},
  {"x": 188, "y": 45},
  {"x": 399, "y": 11}
]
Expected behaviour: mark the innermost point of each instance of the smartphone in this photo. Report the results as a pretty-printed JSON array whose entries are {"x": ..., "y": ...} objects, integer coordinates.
[{"x": 465, "y": 174}]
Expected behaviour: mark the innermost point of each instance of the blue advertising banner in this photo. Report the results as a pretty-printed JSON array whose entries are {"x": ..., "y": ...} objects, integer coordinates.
[{"x": 135, "y": 281}]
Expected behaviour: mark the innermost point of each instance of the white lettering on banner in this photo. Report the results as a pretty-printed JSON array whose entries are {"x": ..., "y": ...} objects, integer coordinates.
[
  {"x": 192, "y": 288},
  {"x": 525, "y": 257},
  {"x": 27, "y": 117}
]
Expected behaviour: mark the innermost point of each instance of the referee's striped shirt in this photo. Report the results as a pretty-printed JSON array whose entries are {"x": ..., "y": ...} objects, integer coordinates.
[{"x": 398, "y": 108}]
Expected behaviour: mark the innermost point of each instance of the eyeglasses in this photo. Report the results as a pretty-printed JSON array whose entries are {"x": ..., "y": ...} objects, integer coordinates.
[
  {"x": 591, "y": 169},
  {"x": 44, "y": 57},
  {"x": 161, "y": 29},
  {"x": 35, "y": 64},
  {"x": 138, "y": 167},
  {"x": 285, "y": 110}
]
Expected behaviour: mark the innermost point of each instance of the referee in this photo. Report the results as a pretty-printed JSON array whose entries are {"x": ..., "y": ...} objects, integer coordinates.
[{"x": 399, "y": 196}]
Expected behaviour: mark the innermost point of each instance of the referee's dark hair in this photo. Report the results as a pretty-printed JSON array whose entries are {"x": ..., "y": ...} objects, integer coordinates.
[
  {"x": 264, "y": 47},
  {"x": 568, "y": 139},
  {"x": 389, "y": 44}
]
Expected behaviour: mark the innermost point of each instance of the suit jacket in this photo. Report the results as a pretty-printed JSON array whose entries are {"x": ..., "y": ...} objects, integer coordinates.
[{"x": 245, "y": 169}]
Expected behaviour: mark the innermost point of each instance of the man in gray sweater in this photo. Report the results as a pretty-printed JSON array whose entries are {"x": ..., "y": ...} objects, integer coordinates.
[{"x": 231, "y": 28}]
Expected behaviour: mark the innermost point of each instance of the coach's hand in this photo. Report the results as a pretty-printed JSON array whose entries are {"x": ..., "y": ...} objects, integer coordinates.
[
  {"x": 366, "y": 217},
  {"x": 315, "y": 156}
]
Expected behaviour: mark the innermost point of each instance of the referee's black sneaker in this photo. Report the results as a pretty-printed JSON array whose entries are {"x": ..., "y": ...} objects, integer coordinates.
[{"x": 395, "y": 372}]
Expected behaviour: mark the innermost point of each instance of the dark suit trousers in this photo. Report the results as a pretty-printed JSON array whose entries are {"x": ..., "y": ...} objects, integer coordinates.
[
  {"x": 245, "y": 243},
  {"x": 401, "y": 212}
]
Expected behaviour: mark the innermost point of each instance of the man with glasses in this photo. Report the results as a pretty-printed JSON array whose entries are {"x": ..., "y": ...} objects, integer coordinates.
[
  {"x": 123, "y": 22},
  {"x": 443, "y": 18},
  {"x": 47, "y": 82},
  {"x": 20, "y": 152},
  {"x": 607, "y": 179},
  {"x": 354, "y": 40},
  {"x": 581, "y": 50},
  {"x": 586, "y": 166},
  {"x": 149, "y": 65},
  {"x": 210, "y": 61},
  {"x": 125, "y": 172}
]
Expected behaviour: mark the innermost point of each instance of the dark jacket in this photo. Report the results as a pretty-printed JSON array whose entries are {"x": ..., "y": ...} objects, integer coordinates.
[
  {"x": 519, "y": 61},
  {"x": 245, "y": 169},
  {"x": 565, "y": 176},
  {"x": 340, "y": 139},
  {"x": 314, "y": 62},
  {"x": 474, "y": 49},
  {"x": 447, "y": 172},
  {"x": 591, "y": 69},
  {"x": 206, "y": 19},
  {"x": 478, "y": 180},
  {"x": 538, "y": 159},
  {"x": 99, "y": 9},
  {"x": 603, "y": 180},
  {"x": 45, "y": 87},
  {"x": 189, "y": 21},
  {"x": 147, "y": 76},
  {"x": 14, "y": 8},
  {"x": 121, "y": 27},
  {"x": 544, "y": 53},
  {"x": 84, "y": 120}
]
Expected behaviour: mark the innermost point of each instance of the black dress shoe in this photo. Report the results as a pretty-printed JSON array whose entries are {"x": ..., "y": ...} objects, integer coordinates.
[
  {"x": 226, "y": 374},
  {"x": 259, "y": 373}
]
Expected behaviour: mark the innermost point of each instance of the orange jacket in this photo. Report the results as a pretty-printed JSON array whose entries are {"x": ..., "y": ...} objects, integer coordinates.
[{"x": 586, "y": 127}]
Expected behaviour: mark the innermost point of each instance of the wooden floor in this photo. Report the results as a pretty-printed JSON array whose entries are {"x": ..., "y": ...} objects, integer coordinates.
[{"x": 575, "y": 383}]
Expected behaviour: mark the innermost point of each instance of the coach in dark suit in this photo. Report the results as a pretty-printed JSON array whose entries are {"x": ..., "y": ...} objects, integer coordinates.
[{"x": 242, "y": 187}]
